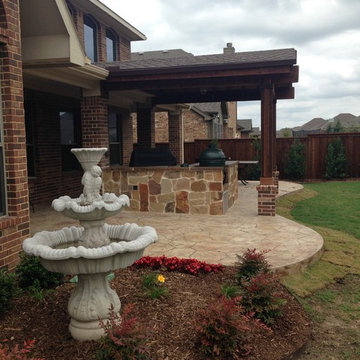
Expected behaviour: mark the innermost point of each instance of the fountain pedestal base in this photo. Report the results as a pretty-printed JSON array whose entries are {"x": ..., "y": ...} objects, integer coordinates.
[{"x": 90, "y": 301}]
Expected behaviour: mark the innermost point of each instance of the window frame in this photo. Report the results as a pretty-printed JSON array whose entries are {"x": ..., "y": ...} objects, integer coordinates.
[
  {"x": 30, "y": 139},
  {"x": 68, "y": 160},
  {"x": 111, "y": 35},
  {"x": 90, "y": 22},
  {"x": 116, "y": 145}
]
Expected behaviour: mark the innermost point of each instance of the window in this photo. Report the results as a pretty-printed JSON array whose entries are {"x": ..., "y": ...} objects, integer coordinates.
[
  {"x": 30, "y": 151},
  {"x": 90, "y": 35},
  {"x": 2, "y": 175},
  {"x": 115, "y": 145},
  {"x": 69, "y": 138},
  {"x": 110, "y": 46}
]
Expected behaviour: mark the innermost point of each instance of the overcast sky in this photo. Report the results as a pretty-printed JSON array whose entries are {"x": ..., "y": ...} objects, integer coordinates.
[{"x": 325, "y": 33}]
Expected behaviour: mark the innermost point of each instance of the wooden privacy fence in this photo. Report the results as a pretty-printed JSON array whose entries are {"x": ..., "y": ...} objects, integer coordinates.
[{"x": 315, "y": 151}]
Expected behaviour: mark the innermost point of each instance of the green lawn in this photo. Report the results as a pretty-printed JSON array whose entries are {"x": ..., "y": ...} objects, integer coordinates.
[
  {"x": 333, "y": 210},
  {"x": 329, "y": 289},
  {"x": 336, "y": 206}
]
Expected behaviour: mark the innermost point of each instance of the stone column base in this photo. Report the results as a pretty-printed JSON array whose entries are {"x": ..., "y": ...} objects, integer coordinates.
[
  {"x": 276, "y": 175},
  {"x": 266, "y": 199}
]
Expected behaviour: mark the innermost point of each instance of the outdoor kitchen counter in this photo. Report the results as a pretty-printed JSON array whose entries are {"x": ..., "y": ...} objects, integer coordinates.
[{"x": 175, "y": 189}]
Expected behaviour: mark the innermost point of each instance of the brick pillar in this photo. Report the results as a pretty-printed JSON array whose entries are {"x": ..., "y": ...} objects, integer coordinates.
[
  {"x": 176, "y": 138},
  {"x": 266, "y": 199},
  {"x": 145, "y": 127},
  {"x": 94, "y": 124},
  {"x": 127, "y": 136},
  {"x": 14, "y": 225},
  {"x": 276, "y": 176}
]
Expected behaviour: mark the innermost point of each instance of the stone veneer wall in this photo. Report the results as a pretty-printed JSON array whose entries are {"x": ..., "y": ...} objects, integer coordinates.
[{"x": 193, "y": 190}]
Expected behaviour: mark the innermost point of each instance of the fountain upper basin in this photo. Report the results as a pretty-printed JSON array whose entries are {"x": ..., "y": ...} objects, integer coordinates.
[{"x": 77, "y": 209}]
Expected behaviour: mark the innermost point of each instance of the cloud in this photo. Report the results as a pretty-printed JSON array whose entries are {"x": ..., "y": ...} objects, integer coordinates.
[{"x": 325, "y": 33}]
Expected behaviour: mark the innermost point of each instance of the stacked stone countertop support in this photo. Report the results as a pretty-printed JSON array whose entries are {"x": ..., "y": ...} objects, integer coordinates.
[{"x": 190, "y": 190}]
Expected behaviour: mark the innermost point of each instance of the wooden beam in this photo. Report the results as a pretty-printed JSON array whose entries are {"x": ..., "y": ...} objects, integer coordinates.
[{"x": 174, "y": 74}]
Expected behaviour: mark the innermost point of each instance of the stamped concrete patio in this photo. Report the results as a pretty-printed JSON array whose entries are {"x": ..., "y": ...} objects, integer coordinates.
[{"x": 218, "y": 238}]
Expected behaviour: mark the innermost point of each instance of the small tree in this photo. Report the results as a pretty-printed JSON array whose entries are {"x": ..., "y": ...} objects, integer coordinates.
[
  {"x": 336, "y": 164},
  {"x": 287, "y": 132},
  {"x": 294, "y": 161}
]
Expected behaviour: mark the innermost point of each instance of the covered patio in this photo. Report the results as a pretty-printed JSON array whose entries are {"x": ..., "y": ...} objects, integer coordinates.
[
  {"x": 291, "y": 246},
  {"x": 150, "y": 84}
]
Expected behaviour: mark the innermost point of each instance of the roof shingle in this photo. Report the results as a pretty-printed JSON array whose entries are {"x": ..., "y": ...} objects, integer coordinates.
[{"x": 283, "y": 56}]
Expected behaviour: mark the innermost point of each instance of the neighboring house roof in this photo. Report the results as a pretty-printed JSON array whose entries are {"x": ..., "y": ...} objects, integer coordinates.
[
  {"x": 208, "y": 110},
  {"x": 255, "y": 131},
  {"x": 347, "y": 120},
  {"x": 244, "y": 125},
  {"x": 319, "y": 125},
  {"x": 211, "y": 107},
  {"x": 242, "y": 60},
  {"x": 314, "y": 124},
  {"x": 160, "y": 54}
]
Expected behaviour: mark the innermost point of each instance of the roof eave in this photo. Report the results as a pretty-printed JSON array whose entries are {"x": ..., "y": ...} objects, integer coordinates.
[{"x": 114, "y": 71}]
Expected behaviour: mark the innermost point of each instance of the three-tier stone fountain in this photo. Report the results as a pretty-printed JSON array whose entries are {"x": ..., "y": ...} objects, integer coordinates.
[{"x": 91, "y": 251}]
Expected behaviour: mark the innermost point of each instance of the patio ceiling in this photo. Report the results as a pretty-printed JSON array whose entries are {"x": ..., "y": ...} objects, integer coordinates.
[{"x": 208, "y": 78}]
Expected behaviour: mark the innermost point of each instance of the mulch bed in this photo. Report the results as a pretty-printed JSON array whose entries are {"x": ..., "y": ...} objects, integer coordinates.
[{"x": 170, "y": 320}]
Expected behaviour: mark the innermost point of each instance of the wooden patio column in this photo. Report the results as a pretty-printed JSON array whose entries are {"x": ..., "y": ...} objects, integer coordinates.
[
  {"x": 145, "y": 127},
  {"x": 176, "y": 135},
  {"x": 267, "y": 189},
  {"x": 267, "y": 141}
]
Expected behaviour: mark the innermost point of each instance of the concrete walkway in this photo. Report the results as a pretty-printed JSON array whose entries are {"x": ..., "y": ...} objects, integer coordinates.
[{"x": 218, "y": 238}]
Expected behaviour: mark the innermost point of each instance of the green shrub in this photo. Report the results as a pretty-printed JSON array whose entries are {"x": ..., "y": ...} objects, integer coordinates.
[
  {"x": 7, "y": 289},
  {"x": 259, "y": 296},
  {"x": 250, "y": 264},
  {"x": 31, "y": 274},
  {"x": 229, "y": 291},
  {"x": 336, "y": 164},
  {"x": 294, "y": 161}
]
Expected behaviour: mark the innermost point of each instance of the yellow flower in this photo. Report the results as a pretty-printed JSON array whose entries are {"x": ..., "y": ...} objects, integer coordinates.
[{"x": 161, "y": 278}]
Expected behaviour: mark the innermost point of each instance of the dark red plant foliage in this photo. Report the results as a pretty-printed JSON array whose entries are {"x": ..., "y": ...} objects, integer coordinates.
[
  {"x": 124, "y": 334},
  {"x": 15, "y": 352},
  {"x": 189, "y": 266},
  {"x": 260, "y": 296},
  {"x": 251, "y": 263},
  {"x": 223, "y": 329}
]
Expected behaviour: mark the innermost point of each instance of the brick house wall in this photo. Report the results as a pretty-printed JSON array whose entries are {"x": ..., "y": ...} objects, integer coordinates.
[
  {"x": 14, "y": 226},
  {"x": 230, "y": 127},
  {"x": 161, "y": 127},
  {"x": 194, "y": 126}
]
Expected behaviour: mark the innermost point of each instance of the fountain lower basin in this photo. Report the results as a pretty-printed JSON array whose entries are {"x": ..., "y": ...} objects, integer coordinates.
[{"x": 61, "y": 250}]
